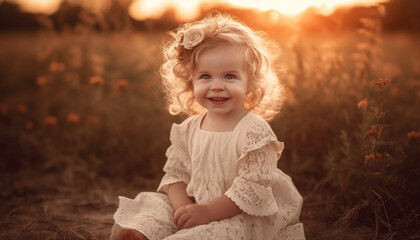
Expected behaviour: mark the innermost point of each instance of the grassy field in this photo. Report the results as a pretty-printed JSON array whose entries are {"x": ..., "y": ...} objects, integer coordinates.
[{"x": 83, "y": 120}]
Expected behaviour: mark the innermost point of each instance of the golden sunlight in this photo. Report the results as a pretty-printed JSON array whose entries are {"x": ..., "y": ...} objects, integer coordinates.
[
  {"x": 185, "y": 10},
  {"x": 39, "y": 6},
  {"x": 296, "y": 7}
]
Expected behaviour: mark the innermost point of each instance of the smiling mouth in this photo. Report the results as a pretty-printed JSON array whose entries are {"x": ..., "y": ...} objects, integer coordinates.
[{"x": 218, "y": 100}]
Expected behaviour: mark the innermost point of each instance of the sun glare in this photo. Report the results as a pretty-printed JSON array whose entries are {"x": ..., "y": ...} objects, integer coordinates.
[
  {"x": 40, "y": 6},
  {"x": 184, "y": 10},
  {"x": 187, "y": 10},
  {"x": 295, "y": 7}
]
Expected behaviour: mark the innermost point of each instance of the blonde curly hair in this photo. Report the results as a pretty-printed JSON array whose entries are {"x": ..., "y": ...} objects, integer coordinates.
[{"x": 180, "y": 54}]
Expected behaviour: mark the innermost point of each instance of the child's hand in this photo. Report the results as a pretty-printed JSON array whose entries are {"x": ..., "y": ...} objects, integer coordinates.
[{"x": 191, "y": 215}]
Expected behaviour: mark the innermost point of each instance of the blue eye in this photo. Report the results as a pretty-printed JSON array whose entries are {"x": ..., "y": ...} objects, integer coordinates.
[
  {"x": 205, "y": 76},
  {"x": 230, "y": 76}
]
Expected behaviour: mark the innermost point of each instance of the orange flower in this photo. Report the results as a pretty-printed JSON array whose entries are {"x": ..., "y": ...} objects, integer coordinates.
[
  {"x": 96, "y": 80},
  {"x": 379, "y": 132},
  {"x": 73, "y": 118},
  {"x": 50, "y": 120},
  {"x": 43, "y": 80},
  {"x": 370, "y": 157},
  {"x": 363, "y": 104},
  {"x": 381, "y": 83},
  {"x": 371, "y": 132},
  {"x": 413, "y": 135},
  {"x": 21, "y": 108},
  {"x": 94, "y": 120},
  {"x": 374, "y": 131},
  {"x": 4, "y": 109},
  {"x": 57, "y": 67},
  {"x": 121, "y": 85},
  {"x": 29, "y": 125}
]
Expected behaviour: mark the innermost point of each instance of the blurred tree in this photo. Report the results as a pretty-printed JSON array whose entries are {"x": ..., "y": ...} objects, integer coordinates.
[
  {"x": 312, "y": 22},
  {"x": 69, "y": 15},
  {"x": 12, "y": 19},
  {"x": 348, "y": 19},
  {"x": 402, "y": 15},
  {"x": 117, "y": 16}
]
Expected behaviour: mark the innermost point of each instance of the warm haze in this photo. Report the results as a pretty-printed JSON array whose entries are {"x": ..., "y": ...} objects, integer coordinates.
[{"x": 143, "y": 9}]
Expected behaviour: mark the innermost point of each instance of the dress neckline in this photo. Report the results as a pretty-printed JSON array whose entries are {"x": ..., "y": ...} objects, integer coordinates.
[{"x": 202, "y": 115}]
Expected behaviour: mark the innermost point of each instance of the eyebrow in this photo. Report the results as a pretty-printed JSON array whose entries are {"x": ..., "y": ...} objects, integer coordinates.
[{"x": 225, "y": 72}]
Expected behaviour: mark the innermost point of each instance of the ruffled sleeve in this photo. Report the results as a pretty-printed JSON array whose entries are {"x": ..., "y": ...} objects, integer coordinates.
[
  {"x": 178, "y": 165},
  {"x": 256, "y": 170}
]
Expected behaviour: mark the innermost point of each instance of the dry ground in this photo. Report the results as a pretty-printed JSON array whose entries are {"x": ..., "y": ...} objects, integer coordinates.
[{"x": 47, "y": 206}]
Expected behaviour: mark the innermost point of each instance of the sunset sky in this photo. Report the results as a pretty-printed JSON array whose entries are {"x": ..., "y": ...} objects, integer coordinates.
[{"x": 142, "y": 9}]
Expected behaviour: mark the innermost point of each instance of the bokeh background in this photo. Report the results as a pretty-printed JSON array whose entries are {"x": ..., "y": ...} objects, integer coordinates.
[{"x": 83, "y": 117}]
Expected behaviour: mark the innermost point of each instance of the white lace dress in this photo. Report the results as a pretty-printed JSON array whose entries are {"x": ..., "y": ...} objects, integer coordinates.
[{"x": 242, "y": 164}]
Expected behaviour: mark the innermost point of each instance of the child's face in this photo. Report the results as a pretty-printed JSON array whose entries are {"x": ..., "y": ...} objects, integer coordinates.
[{"x": 220, "y": 80}]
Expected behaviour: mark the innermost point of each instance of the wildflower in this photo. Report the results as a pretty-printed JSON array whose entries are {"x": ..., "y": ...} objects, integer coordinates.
[
  {"x": 57, "y": 67},
  {"x": 73, "y": 118},
  {"x": 4, "y": 109},
  {"x": 43, "y": 80},
  {"x": 21, "y": 108},
  {"x": 363, "y": 104},
  {"x": 94, "y": 120},
  {"x": 96, "y": 80},
  {"x": 29, "y": 125},
  {"x": 379, "y": 132},
  {"x": 50, "y": 120},
  {"x": 413, "y": 135},
  {"x": 370, "y": 157},
  {"x": 371, "y": 132},
  {"x": 374, "y": 131},
  {"x": 381, "y": 83},
  {"x": 121, "y": 85}
]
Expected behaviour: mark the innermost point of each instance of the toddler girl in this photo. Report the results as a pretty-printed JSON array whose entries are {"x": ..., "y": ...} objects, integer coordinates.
[{"x": 221, "y": 178}]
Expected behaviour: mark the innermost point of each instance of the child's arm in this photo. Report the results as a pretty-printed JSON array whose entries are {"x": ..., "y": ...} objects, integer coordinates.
[
  {"x": 222, "y": 207},
  {"x": 196, "y": 214},
  {"x": 177, "y": 195}
]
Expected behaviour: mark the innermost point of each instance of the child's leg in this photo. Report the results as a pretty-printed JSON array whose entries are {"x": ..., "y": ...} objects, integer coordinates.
[
  {"x": 230, "y": 228},
  {"x": 130, "y": 234},
  {"x": 149, "y": 214}
]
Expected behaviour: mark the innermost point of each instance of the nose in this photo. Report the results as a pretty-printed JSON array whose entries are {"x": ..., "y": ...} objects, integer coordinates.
[{"x": 217, "y": 85}]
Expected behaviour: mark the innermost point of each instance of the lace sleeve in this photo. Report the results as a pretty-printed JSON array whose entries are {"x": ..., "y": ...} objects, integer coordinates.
[
  {"x": 178, "y": 166},
  {"x": 256, "y": 171}
]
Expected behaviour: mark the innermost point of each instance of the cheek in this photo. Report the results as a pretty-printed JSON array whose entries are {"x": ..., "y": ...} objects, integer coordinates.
[
  {"x": 198, "y": 90},
  {"x": 240, "y": 88}
]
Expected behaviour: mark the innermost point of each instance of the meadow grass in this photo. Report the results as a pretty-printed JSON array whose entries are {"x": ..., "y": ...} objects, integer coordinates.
[{"x": 87, "y": 104}]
